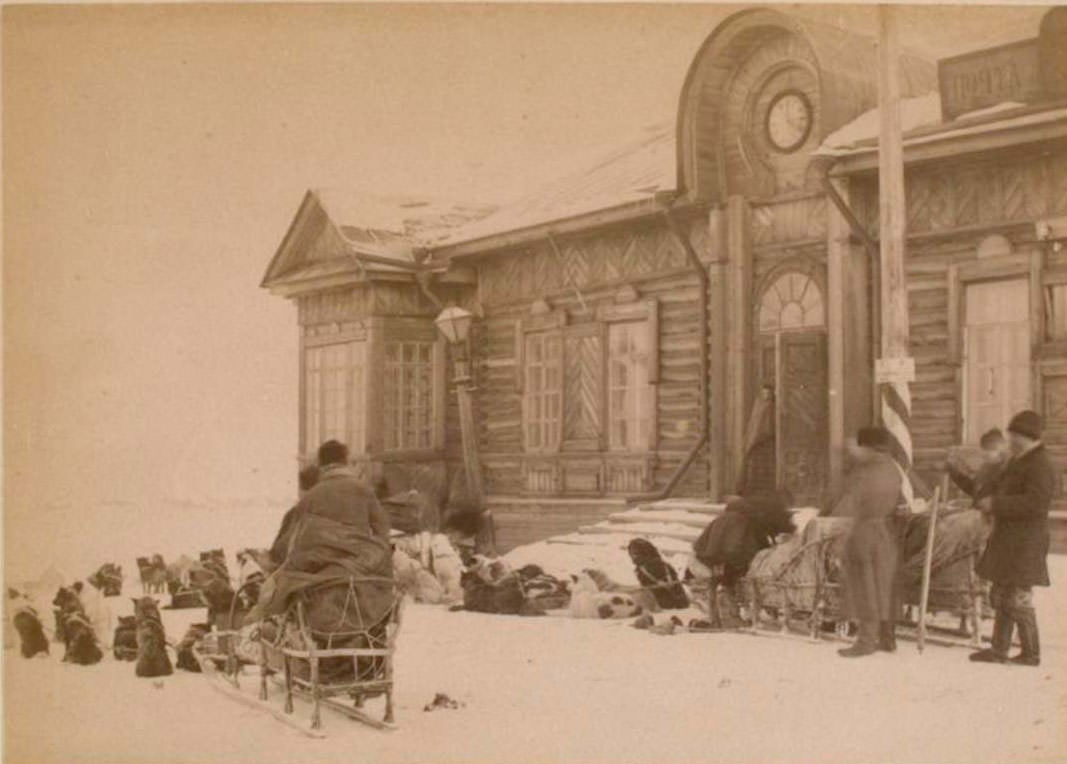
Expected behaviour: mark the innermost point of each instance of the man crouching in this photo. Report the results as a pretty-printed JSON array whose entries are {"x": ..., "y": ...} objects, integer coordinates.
[{"x": 1014, "y": 557}]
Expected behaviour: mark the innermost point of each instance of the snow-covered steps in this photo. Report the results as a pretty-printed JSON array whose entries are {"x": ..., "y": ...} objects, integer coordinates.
[
  {"x": 674, "y": 516},
  {"x": 648, "y": 530},
  {"x": 695, "y": 506}
]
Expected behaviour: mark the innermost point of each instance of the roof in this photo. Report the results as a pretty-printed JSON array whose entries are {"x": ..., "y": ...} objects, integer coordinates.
[
  {"x": 632, "y": 172},
  {"x": 333, "y": 228},
  {"x": 922, "y": 123},
  {"x": 396, "y": 225}
]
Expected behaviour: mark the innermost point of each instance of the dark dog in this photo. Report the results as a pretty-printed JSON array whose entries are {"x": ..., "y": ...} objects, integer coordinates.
[
  {"x": 153, "y": 574},
  {"x": 654, "y": 574},
  {"x": 152, "y": 658},
  {"x": 28, "y": 625},
  {"x": 108, "y": 579},
  {"x": 78, "y": 637},
  {"x": 186, "y": 660},
  {"x": 125, "y": 641}
]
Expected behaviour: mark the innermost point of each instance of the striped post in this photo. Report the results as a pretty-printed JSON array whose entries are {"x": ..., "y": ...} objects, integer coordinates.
[{"x": 894, "y": 370}]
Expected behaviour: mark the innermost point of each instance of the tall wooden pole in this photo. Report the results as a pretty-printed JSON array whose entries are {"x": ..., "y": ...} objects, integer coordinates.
[
  {"x": 468, "y": 434},
  {"x": 895, "y": 369}
]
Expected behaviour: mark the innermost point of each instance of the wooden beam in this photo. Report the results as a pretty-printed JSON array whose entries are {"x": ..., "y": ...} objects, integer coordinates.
[
  {"x": 717, "y": 378},
  {"x": 891, "y": 202},
  {"x": 837, "y": 254},
  {"x": 737, "y": 328}
]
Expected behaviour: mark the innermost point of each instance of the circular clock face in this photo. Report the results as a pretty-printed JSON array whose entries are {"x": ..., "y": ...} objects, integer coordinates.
[{"x": 789, "y": 120}]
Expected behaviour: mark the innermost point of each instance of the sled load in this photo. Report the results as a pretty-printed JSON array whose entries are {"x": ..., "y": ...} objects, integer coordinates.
[
  {"x": 800, "y": 579},
  {"x": 327, "y": 621}
]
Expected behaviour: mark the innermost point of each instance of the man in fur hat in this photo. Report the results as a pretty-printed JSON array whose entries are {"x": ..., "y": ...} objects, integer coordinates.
[
  {"x": 1014, "y": 558},
  {"x": 870, "y": 557}
]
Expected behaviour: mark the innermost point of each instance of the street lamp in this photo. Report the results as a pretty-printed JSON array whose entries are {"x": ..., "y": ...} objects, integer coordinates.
[{"x": 454, "y": 323}]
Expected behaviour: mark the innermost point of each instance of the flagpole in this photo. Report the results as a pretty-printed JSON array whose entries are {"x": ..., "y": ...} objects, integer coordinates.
[{"x": 895, "y": 368}]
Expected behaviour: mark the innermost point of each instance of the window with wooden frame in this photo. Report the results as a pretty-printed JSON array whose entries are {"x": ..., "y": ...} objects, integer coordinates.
[
  {"x": 408, "y": 396},
  {"x": 334, "y": 395},
  {"x": 631, "y": 396},
  {"x": 542, "y": 396},
  {"x": 1055, "y": 294},
  {"x": 590, "y": 387}
]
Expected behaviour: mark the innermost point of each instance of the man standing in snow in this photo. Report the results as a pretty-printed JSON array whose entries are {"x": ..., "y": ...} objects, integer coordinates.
[
  {"x": 1014, "y": 558},
  {"x": 872, "y": 494}
]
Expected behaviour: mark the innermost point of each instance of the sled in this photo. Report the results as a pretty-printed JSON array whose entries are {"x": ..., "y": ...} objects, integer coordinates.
[
  {"x": 804, "y": 594},
  {"x": 315, "y": 664},
  {"x": 220, "y": 645}
]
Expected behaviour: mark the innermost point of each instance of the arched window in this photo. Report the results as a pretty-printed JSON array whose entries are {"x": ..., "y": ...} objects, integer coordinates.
[{"x": 792, "y": 301}]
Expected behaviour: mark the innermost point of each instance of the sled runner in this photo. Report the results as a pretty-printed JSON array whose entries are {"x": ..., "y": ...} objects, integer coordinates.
[
  {"x": 800, "y": 580},
  {"x": 352, "y": 661}
]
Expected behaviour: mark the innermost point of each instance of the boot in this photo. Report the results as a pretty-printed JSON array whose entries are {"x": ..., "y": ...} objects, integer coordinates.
[
  {"x": 866, "y": 641},
  {"x": 1003, "y": 626},
  {"x": 1031, "y": 652},
  {"x": 887, "y": 636}
]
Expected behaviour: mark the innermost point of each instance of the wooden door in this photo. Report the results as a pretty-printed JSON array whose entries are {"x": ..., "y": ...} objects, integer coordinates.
[
  {"x": 803, "y": 426},
  {"x": 997, "y": 371}
]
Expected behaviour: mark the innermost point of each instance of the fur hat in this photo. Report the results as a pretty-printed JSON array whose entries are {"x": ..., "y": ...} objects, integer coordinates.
[
  {"x": 877, "y": 438},
  {"x": 1026, "y": 423}
]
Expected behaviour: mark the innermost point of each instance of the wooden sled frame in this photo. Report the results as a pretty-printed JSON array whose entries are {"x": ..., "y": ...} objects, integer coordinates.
[
  {"x": 381, "y": 639},
  {"x": 224, "y": 637},
  {"x": 969, "y": 597}
]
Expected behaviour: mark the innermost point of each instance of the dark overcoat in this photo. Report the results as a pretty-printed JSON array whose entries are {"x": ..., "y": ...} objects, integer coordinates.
[
  {"x": 870, "y": 557},
  {"x": 1016, "y": 551}
]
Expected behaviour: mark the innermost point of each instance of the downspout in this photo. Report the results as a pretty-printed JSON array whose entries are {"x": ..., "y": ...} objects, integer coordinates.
[
  {"x": 869, "y": 244},
  {"x": 702, "y": 276}
]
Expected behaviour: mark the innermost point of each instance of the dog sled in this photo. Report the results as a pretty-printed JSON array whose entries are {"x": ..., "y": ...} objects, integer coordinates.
[
  {"x": 339, "y": 668},
  {"x": 797, "y": 585}
]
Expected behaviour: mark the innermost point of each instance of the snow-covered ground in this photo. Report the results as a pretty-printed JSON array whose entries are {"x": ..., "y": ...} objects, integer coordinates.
[{"x": 555, "y": 689}]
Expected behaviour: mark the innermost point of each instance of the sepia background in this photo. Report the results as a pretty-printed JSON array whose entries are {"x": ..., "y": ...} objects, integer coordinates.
[{"x": 153, "y": 158}]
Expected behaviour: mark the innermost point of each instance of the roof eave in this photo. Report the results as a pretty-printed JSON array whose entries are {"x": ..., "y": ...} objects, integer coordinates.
[
  {"x": 930, "y": 146},
  {"x": 561, "y": 226}
]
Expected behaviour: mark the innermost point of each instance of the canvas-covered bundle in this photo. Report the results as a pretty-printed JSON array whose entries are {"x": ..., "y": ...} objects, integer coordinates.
[
  {"x": 344, "y": 577},
  {"x": 960, "y": 536},
  {"x": 341, "y": 578},
  {"x": 786, "y": 574}
]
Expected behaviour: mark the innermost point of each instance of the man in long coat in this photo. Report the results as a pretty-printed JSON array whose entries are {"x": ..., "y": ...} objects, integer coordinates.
[
  {"x": 1014, "y": 558},
  {"x": 870, "y": 558}
]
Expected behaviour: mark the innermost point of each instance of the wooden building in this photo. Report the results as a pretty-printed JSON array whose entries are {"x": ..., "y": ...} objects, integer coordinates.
[{"x": 628, "y": 315}]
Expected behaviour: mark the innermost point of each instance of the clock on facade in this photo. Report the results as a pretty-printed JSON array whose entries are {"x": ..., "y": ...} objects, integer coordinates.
[{"x": 789, "y": 120}]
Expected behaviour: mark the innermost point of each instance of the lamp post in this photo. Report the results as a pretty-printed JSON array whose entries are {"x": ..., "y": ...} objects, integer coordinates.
[{"x": 454, "y": 323}]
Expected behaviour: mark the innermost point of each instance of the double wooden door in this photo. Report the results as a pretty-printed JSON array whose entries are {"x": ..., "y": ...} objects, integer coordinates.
[{"x": 794, "y": 365}]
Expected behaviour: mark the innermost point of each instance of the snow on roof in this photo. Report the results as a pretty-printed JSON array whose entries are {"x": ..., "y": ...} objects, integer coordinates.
[
  {"x": 916, "y": 112},
  {"x": 621, "y": 175},
  {"x": 394, "y": 225},
  {"x": 861, "y": 134}
]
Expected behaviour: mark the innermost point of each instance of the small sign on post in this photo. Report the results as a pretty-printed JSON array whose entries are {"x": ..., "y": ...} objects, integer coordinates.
[{"x": 890, "y": 370}]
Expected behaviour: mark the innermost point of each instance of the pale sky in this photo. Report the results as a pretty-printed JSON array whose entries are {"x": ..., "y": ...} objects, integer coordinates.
[{"x": 155, "y": 155}]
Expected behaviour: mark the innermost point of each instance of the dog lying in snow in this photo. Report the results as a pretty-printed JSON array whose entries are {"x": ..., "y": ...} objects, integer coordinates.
[
  {"x": 587, "y": 601},
  {"x": 78, "y": 635},
  {"x": 28, "y": 624},
  {"x": 642, "y": 597},
  {"x": 656, "y": 575},
  {"x": 152, "y": 658}
]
